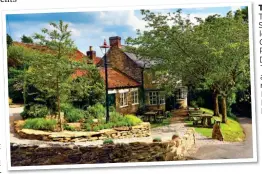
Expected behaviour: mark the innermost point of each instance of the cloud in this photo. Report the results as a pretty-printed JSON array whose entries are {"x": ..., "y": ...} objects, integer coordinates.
[
  {"x": 235, "y": 8},
  {"x": 85, "y": 34}
]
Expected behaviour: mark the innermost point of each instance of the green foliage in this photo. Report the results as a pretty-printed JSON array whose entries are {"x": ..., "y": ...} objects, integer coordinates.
[
  {"x": 9, "y": 40},
  {"x": 87, "y": 90},
  {"x": 96, "y": 111},
  {"x": 168, "y": 114},
  {"x": 68, "y": 127},
  {"x": 71, "y": 113},
  {"x": 88, "y": 127},
  {"x": 35, "y": 111},
  {"x": 133, "y": 119},
  {"x": 26, "y": 39},
  {"x": 216, "y": 48},
  {"x": 194, "y": 104},
  {"x": 40, "y": 124},
  {"x": 157, "y": 139},
  {"x": 108, "y": 141},
  {"x": 200, "y": 102}
]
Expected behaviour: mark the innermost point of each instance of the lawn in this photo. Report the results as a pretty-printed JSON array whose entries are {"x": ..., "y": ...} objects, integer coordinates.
[{"x": 232, "y": 130}]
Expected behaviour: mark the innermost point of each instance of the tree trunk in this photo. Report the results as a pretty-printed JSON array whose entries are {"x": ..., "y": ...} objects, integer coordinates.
[
  {"x": 224, "y": 109},
  {"x": 215, "y": 103},
  {"x": 58, "y": 105}
]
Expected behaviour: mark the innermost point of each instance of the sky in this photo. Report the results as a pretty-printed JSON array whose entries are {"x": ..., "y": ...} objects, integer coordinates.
[{"x": 91, "y": 28}]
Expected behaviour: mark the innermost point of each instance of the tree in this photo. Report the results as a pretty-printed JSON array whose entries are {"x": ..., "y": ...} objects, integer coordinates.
[
  {"x": 26, "y": 39},
  {"x": 196, "y": 53},
  {"x": 9, "y": 40},
  {"x": 50, "y": 72}
]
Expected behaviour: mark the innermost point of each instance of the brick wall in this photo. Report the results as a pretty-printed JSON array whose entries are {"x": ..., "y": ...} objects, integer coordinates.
[{"x": 118, "y": 59}]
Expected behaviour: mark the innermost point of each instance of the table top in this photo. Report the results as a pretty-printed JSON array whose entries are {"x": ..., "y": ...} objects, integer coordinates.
[{"x": 150, "y": 113}]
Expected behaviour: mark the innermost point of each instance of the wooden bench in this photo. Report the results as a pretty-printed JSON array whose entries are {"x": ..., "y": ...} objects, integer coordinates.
[{"x": 196, "y": 120}]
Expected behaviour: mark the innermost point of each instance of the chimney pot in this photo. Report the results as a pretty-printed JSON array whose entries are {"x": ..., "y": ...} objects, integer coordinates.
[{"x": 115, "y": 41}]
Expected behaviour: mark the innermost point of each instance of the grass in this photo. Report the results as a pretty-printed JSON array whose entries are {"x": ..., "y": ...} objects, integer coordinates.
[{"x": 232, "y": 130}]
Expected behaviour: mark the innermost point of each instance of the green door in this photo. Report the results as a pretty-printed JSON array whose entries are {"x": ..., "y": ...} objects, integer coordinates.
[{"x": 112, "y": 100}]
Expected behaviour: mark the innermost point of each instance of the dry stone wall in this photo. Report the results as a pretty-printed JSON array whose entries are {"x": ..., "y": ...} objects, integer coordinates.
[
  {"x": 54, "y": 154},
  {"x": 141, "y": 130}
]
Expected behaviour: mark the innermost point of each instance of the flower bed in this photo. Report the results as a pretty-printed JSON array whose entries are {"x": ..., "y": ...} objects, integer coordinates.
[{"x": 141, "y": 130}]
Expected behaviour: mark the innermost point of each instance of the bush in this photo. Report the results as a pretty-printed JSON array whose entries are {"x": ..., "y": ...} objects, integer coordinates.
[
  {"x": 68, "y": 127},
  {"x": 157, "y": 139},
  {"x": 96, "y": 111},
  {"x": 108, "y": 141},
  {"x": 133, "y": 119},
  {"x": 168, "y": 114},
  {"x": 40, "y": 124},
  {"x": 72, "y": 114},
  {"x": 87, "y": 127},
  {"x": 194, "y": 104},
  {"x": 200, "y": 102},
  {"x": 35, "y": 111}
]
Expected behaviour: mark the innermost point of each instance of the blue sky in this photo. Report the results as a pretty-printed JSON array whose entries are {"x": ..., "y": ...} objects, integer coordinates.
[{"x": 91, "y": 28}]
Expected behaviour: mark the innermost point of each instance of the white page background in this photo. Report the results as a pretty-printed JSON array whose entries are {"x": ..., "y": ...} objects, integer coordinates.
[{"x": 196, "y": 168}]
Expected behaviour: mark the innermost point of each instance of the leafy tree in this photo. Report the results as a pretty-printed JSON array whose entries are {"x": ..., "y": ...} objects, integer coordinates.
[
  {"x": 18, "y": 61},
  {"x": 88, "y": 89},
  {"x": 9, "y": 40},
  {"x": 26, "y": 39},
  {"x": 50, "y": 72},
  {"x": 211, "y": 54}
]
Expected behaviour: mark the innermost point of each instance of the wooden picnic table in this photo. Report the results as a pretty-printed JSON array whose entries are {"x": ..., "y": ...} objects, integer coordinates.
[
  {"x": 151, "y": 114},
  {"x": 160, "y": 111},
  {"x": 205, "y": 119}
]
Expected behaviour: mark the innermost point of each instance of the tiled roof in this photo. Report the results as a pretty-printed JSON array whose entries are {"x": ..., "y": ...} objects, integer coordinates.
[
  {"x": 116, "y": 79},
  {"x": 77, "y": 55},
  {"x": 96, "y": 60}
]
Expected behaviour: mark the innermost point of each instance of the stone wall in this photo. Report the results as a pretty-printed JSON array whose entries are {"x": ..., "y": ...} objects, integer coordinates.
[
  {"x": 31, "y": 155},
  {"x": 130, "y": 108},
  {"x": 142, "y": 130}
]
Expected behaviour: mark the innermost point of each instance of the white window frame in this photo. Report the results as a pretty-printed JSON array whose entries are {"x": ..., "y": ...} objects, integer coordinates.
[
  {"x": 162, "y": 99},
  {"x": 135, "y": 99},
  {"x": 153, "y": 97},
  {"x": 123, "y": 99}
]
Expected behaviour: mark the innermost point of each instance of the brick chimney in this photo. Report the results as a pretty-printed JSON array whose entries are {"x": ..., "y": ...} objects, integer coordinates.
[
  {"x": 115, "y": 41},
  {"x": 91, "y": 54}
]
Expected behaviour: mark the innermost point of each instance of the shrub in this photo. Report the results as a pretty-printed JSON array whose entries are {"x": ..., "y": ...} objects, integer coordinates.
[
  {"x": 200, "y": 102},
  {"x": 68, "y": 127},
  {"x": 112, "y": 109},
  {"x": 157, "y": 139},
  {"x": 168, "y": 114},
  {"x": 133, "y": 119},
  {"x": 96, "y": 111},
  {"x": 96, "y": 128},
  {"x": 40, "y": 124},
  {"x": 35, "y": 111},
  {"x": 108, "y": 141},
  {"x": 87, "y": 127},
  {"x": 72, "y": 114},
  {"x": 194, "y": 104}
]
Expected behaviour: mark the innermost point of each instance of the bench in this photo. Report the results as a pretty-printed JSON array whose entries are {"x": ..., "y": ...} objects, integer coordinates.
[{"x": 196, "y": 120}]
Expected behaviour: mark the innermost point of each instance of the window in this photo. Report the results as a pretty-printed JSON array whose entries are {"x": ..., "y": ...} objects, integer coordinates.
[
  {"x": 156, "y": 98},
  {"x": 134, "y": 95},
  {"x": 153, "y": 98},
  {"x": 123, "y": 99},
  {"x": 162, "y": 99}
]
